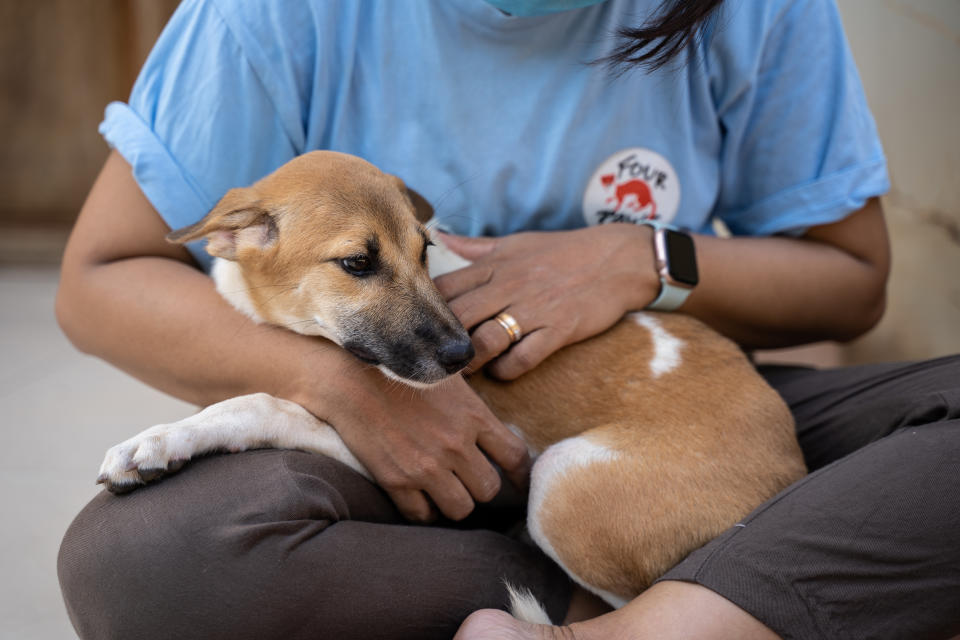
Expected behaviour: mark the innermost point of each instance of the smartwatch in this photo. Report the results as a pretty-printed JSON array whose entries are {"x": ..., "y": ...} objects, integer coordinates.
[{"x": 676, "y": 261}]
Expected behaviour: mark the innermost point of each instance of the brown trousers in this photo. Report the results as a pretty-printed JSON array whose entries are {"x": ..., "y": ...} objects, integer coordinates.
[{"x": 287, "y": 545}]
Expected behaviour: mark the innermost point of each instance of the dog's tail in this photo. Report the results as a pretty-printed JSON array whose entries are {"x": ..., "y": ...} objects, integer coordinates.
[{"x": 525, "y": 606}]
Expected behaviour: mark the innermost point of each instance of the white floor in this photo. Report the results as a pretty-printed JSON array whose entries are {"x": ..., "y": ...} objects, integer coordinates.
[{"x": 59, "y": 412}]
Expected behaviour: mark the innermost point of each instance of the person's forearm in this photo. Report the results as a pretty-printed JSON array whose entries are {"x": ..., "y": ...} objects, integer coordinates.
[
  {"x": 163, "y": 322},
  {"x": 137, "y": 301},
  {"x": 778, "y": 291}
]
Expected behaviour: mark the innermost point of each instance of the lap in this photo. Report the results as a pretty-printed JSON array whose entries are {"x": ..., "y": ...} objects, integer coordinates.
[
  {"x": 865, "y": 545},
  {"x": 281, "y": 544},
  {"x": 840, "y": 410},
  {"x": 285, "y": 544}
]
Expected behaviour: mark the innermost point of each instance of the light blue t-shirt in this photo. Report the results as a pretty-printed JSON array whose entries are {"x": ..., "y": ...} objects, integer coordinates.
[{"x": 500, "y": 122}]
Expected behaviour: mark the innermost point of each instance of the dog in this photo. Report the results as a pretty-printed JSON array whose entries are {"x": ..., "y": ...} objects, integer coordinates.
[{"x": 650, "y": 439}]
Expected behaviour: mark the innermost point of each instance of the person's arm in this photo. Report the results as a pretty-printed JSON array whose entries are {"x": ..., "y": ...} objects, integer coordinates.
[
  {"x": 773, "y": 292},
  {"x": 137, "y": 301},
  {"x": 131, "y": 298},
  {"x": 563, "y": 287}
]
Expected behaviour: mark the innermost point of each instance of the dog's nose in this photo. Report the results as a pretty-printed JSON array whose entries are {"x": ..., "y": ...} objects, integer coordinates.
[{"x": 455, "y": 354}]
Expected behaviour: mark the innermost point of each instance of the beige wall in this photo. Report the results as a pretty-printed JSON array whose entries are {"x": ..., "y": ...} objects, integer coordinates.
[{"x": 908, "y": 53}]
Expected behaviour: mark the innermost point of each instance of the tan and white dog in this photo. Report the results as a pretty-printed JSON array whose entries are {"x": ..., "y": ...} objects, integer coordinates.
[{"x": 650, "y": 439}]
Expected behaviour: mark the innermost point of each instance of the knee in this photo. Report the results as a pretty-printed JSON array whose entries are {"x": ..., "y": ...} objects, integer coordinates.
[
  {"x": 129, "y": 566},
  {"x": 101, "y": 564},
  {"x": 146, "y": 563}
]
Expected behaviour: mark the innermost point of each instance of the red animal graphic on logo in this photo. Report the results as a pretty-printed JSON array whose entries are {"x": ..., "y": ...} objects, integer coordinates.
[{"x": 633, "y": 195}]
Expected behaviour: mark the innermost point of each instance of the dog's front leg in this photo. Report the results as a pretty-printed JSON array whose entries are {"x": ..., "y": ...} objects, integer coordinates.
[{"x": 256, "y": 421}]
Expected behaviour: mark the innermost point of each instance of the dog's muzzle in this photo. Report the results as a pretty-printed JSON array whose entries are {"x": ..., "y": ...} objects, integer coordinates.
[{"x": 455, "y": 354}]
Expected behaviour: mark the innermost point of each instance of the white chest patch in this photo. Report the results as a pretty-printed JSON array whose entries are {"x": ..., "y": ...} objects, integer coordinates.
[
  {"x": 666, "y": 346},
  {"x": 231, "y": 285},
  {"x": 442, "y": 260}
]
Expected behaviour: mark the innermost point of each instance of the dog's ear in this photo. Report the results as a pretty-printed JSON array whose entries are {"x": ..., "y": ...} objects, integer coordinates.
[
  {"x": 424, "y": 209},
  {"x": 236, "y": 222}
]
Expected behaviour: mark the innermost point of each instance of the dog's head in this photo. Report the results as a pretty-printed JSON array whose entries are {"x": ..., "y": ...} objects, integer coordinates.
[{"x": 329, "y": 245}]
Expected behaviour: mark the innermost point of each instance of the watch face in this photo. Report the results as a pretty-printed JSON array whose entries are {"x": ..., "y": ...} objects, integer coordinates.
[{"x": 683, "y": 258}]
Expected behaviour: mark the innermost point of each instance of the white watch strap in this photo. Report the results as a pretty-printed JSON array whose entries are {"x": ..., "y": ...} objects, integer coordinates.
[{"x": 671, "y": 296}]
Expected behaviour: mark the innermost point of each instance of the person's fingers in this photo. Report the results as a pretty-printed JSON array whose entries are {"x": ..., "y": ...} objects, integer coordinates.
[
  {"x": 533, "y": 349},
  {"x": 480, "y": 305},
  {"x": 509, "y": 452},
  {"x": 467, "y": 247},
  {"x": 490, "y": 339},
  {"x": 479, "y": 476},
  {"x": 451, "y": 497},
  {"x": 413, "y": 505},
  {"x": 431, "y": 484},
  {"x": 463, "y": 290},
  {"x": 456, "y": 283}
]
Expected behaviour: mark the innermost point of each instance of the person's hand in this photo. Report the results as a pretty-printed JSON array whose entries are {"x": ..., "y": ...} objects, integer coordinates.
[
  {"x": 424, "y": 447},
  {"x": 560, "y": 286}
]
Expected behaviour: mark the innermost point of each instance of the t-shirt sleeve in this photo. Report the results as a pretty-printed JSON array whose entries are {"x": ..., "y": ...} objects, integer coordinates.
[
  {"x": 800, "y": 145},
  {"x": 201, "y": 119}
]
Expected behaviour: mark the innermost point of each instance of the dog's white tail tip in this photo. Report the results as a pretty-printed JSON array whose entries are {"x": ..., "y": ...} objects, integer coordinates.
[{"x": 524, "y": 606}]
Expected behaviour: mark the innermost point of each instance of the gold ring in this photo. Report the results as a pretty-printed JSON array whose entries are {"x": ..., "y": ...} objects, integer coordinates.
[{"x": 510, "y": 325}]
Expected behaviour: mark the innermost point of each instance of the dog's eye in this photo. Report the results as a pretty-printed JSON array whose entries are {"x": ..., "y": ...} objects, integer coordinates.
[
  {"x": 357, "y": 265},
  {"x": 423, "y": 254}
]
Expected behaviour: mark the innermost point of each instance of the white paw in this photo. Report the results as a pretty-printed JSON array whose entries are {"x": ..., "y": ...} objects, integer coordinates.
[{"x": 145, "y": 457}]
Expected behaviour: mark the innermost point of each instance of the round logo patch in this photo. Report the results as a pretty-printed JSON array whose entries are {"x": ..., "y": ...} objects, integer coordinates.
[{"x": 633, "y": 185}]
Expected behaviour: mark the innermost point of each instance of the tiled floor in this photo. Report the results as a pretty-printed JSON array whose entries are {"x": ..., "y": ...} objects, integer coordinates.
[{"x": 60, "y": 411}]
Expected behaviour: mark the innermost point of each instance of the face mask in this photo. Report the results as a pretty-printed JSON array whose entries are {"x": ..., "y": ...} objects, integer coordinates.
[{"x": 539, "y": 7}]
